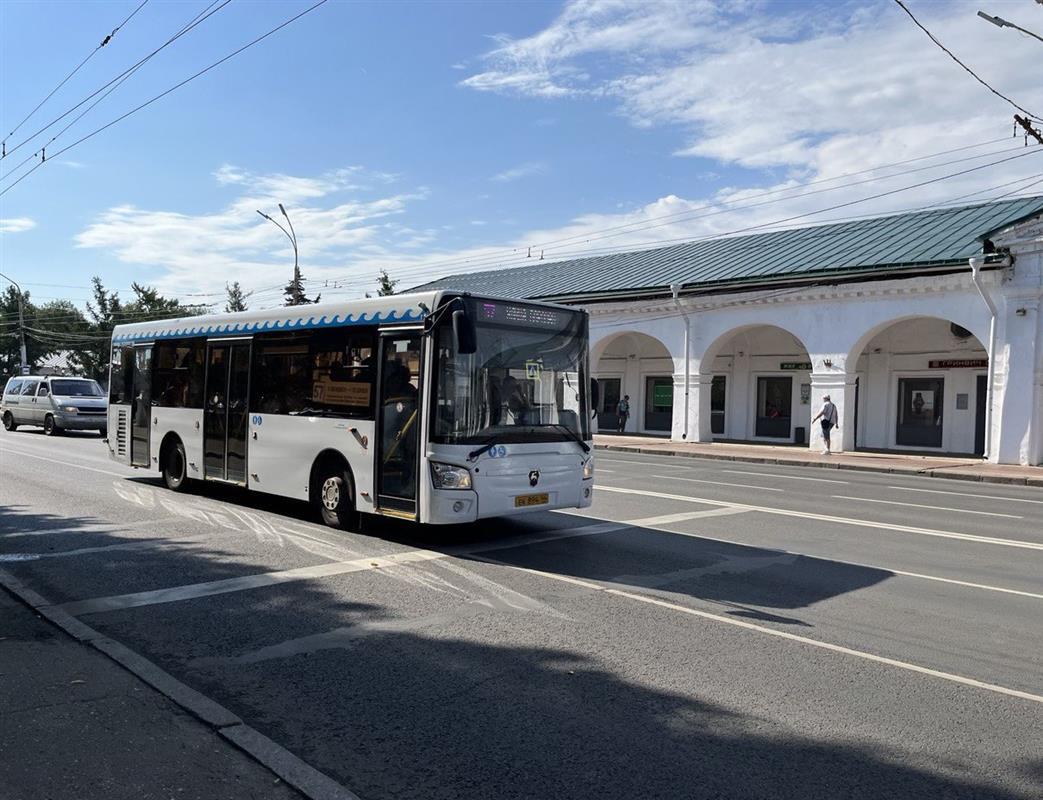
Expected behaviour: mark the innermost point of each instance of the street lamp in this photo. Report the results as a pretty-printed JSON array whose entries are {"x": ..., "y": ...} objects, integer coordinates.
[
  {"x": 292, "y": 236},
  {"x": 21, "y": 323},
  {"x": 999, "y": 22}
]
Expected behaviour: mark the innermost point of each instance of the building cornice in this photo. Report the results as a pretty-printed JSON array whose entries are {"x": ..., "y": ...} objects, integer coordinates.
[{"x": 866, "y": 290}]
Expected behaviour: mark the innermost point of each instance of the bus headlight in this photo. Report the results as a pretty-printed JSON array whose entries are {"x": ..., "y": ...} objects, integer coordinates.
[
  {"x": 449, "y": 476},
  {"x": 588, "y": 468}
]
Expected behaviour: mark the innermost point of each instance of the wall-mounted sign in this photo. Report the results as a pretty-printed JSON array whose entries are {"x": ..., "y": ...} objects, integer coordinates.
[
  {"x": 663, "y": 394},
  {"x": 805, "y": 394},
  {"x": 959, "y": 363},
  {"x": 795, "y": 365}
]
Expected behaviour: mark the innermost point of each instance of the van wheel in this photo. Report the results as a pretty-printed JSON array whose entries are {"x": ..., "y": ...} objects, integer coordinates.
[
  {"x": 175, "y": 467},
  {"x": 50, "y": 427},
  {"x": 9, "y": 423},
  {"x": 334, "y": 494}
]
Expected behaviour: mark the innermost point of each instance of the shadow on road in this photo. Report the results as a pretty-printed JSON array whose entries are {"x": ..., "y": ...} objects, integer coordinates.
[{"x": 439, "y": 695}]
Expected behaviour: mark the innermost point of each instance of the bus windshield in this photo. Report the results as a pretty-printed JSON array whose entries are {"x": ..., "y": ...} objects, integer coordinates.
[{"x": 527, "y": 381}]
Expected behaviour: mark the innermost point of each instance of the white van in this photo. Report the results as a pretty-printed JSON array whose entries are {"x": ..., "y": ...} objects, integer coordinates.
[{"x": 54, "y": 403}]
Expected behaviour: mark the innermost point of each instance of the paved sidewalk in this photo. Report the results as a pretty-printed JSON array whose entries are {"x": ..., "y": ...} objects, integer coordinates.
[
  {"x": 961, "y": 468},
  {"x": 74, "y": 725}
]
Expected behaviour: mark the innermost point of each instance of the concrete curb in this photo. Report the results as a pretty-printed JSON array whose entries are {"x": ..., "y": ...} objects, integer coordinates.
[
  {"x": 307, "y": 780},
  {"x": 929, "y": 472}
]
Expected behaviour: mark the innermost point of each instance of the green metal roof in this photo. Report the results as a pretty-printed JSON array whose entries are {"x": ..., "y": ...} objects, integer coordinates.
[{"x": 909, "y": 241}]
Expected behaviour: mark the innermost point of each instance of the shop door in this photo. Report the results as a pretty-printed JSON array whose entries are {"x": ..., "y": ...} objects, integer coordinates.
[
  {"x": 226, "y": 411},
  {"x": 981, "y": 400},
  {"x": 398, "y": 443},
  {"x": 608, "y": 407},
  {"x": 920, "y": 412},
  {"x": 141, "y": 406},
  {"x": 718, "y": 393},
  {"x": 774, "y": 407},
  {"x": 659, "y": 404}
]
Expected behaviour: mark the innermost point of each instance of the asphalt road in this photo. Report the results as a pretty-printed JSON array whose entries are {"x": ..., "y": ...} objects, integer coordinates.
[{"x": 706, "y": 629}]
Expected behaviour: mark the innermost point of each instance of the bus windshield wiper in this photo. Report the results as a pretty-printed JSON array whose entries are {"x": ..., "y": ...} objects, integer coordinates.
[{"x": 567, "y": 431}]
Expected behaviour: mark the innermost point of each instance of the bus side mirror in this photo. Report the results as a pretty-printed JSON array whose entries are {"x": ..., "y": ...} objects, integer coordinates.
[{"x": 464, "y": 335}]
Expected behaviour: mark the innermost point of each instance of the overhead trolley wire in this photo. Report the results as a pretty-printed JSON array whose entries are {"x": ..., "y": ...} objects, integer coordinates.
[
  {"x": 505, "y": 256},
  {"x": 164, "y": 93},
  {"x": 79, "y": 66},
  {"x": 970, "y": 71},
  {"x": 111, "y": 86}
]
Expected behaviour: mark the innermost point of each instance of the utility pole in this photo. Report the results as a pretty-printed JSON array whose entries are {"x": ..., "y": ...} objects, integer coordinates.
[{"x": 21, "y": 323}]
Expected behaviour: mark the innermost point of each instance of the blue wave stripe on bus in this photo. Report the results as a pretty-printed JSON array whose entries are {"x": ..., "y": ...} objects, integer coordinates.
[{"x": 325, "y": 321}]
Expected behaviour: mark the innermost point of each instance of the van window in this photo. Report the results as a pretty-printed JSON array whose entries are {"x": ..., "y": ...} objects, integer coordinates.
[
  {"x": 14, "y": 386},
  {"x": 76, "y": 387},
  {"x": 29, "y": 388}
]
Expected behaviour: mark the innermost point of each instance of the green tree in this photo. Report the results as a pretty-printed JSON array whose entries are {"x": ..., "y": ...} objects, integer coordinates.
[
  {"x": 237, "y": 298},
  {"x": 294, "y": 291},
  {"x": 385, "y": 286}
]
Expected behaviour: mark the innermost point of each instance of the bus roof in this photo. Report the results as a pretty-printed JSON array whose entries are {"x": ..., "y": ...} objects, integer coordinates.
[
  {"x": 401, "y": 308},
  {"x": 390, "y": 310}
]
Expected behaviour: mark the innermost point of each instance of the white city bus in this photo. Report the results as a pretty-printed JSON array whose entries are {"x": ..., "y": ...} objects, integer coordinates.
[{"x": 435, "y": 407}]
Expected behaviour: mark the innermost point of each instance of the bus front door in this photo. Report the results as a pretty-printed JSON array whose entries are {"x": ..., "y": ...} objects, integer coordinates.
[
  {"x": 398, "y": 428},
  {"x": 141, "y": 406},
  {"x": 225, "y": 413}
]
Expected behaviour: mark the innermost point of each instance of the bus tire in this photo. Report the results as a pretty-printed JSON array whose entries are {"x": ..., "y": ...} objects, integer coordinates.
[
  {"x": 9, "y": 423},
  {"x": 50, "y": 427},
  {"x": 175, "y": 465},
  {"x": 333, "y": 492}
]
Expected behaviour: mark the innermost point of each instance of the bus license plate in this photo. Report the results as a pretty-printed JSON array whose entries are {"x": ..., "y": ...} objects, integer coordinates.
[{"x": 525, "y": 500}]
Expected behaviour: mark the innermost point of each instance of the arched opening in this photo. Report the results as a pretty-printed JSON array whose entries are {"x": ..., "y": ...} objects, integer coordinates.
[
  {"x": 922, "y": 384},
  {"x": 760, "y": 387},
  {"x": 639, "y": 369}
]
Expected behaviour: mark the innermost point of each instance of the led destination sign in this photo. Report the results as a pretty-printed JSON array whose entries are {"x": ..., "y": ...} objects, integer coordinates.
[{"x": 511, "y": 314}]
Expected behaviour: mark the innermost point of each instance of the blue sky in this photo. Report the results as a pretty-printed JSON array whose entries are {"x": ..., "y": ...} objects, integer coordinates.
[{"x": 421, "y": 136}]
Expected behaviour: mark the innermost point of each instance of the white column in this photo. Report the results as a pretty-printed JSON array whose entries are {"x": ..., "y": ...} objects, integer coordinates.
[
  {"x": 841, "y": 390},
  {"x": 1017, "y": 384},
  {"x": 698, "y": 427}
]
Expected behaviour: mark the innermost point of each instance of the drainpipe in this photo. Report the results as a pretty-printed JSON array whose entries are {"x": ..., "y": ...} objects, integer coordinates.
[
  {"x": 977, "y": 263},
  {"x": 675, "y": 290}
]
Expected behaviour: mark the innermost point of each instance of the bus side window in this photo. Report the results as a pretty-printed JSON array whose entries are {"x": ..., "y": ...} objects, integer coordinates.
[{"x": 179, "y": 373}]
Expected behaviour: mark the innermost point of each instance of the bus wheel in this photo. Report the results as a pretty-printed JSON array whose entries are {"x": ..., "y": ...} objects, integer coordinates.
[
  {"x": 50, "y": 427},
  {"x": 334, "y": 494},
  {"x": 175, "y": 465},
  {"x": 9, "y": 423}
]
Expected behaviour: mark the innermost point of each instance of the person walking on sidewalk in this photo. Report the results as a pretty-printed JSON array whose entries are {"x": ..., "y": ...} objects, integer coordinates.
[
  {"x": 623, "y": 412},
  {"x": 830, "y": 420}
]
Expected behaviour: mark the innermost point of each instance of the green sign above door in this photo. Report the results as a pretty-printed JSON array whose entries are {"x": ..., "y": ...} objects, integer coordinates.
[{"x": 663, "y": 394}]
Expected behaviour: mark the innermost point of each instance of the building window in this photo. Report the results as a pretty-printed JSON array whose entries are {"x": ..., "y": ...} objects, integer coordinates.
[
  {"x": 718, "y": 393},
  {"x": 659, "y": 404},
  {"x": 920, "y": 412},
  {"x": 774, "y": 407}
]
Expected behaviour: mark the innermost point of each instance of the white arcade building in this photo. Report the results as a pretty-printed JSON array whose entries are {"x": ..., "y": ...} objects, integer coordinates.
[{"x": 923, "y": 327}]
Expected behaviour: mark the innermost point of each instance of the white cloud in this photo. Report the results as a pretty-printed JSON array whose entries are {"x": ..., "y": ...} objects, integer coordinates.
[
  {"x": 16, "y": 224},
  {"x": 520, "y": 171},
  {"x": 776, "y": 86},
  {"x": 335, "y": 217}
]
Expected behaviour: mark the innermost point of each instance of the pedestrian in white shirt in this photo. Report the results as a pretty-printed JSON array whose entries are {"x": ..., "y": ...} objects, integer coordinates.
[{"x": 830, "y": 420}]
